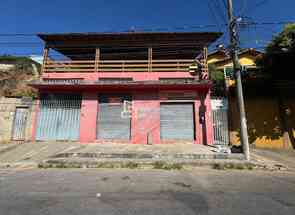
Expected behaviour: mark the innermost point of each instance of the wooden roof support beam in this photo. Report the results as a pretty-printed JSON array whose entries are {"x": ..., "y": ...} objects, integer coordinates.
[
  {"x": 45, "y": 57},
  {"x": 150, "y": 59},
  {"x": 97, "y": 59}
]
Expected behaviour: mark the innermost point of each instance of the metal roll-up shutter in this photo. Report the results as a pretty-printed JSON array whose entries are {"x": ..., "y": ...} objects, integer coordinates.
[
  {"x": 177, "y": 121},
  {"x": 110, "y": 123},
  {"x": 59, "y": 117}
]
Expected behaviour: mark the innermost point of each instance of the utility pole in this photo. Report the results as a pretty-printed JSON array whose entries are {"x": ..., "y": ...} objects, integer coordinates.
[{"x": 232, "y": 23}]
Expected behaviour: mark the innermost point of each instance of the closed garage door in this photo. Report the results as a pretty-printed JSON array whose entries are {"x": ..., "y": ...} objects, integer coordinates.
[
  {"x": 110, "y": 123},
  {"x": 177, "y": 121},
  {"x": 59, "y": 117}
]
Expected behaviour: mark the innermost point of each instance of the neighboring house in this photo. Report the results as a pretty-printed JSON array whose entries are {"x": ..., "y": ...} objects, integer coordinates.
[
  {"x": 124, "y": 87},
  {"x": 265, "y": 117},
  {"x": 247, "y": 59},
  {"x": 16, "y": 119}
]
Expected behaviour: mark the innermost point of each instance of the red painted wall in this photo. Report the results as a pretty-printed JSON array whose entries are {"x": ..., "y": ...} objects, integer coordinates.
[
  {"x": 89, "y": 110},
  {"x": 145, "y": 119},
  {"x": 145, "y": 105}
]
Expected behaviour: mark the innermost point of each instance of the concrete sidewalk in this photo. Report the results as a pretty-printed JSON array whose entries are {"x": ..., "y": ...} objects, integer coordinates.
[
  {"x": 274, "y": 157},
  {"x": 35, "y": 153}
]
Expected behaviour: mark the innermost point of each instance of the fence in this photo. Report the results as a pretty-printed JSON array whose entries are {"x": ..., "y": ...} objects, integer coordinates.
[
  {"x": 220, "y": 121},
  {"x": 119, "y": 65}
]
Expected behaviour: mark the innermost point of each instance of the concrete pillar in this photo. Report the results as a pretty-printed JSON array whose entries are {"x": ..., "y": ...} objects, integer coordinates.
[{"x": 89, "y": 110}]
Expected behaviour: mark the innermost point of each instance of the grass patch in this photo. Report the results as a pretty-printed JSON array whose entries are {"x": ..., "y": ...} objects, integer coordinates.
[
  {"x": 167, "y": 166},
  {"x": 130, "y": 165},
  {"x": 236, "y": 166},
  {"x": 109, "y": 165},
  {"x": 59, "y": 165},
  {"x": 218, "y": 166}
]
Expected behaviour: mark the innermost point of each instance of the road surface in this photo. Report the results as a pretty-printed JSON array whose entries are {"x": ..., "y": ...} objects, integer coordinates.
[{"x": 155, "y": 192}]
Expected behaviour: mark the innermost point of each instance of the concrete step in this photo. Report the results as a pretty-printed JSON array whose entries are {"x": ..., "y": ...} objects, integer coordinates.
[
  {"x": 157, "y": 163},
  {"x": 189, "y": 156}
]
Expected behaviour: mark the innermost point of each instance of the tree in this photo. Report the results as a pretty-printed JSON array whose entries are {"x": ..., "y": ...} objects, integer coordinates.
[
  {"x": 278, "y": 63},
  {"x": 279, "y": 55},
  {"x": 217, "y": 77}
]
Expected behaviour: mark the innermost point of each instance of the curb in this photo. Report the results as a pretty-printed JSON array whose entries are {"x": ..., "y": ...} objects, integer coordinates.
[
  {"x": 143, "y": 164},
  {"x": 18, "y": 165},
  {"x": 7, "y": 149}
]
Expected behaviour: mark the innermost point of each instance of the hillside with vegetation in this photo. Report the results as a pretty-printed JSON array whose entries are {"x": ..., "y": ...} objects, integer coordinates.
[{"x": 15, "y": 74}]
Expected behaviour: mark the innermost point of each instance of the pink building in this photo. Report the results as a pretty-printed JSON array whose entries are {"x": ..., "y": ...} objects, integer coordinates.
[{"x": 124, "y": 87}]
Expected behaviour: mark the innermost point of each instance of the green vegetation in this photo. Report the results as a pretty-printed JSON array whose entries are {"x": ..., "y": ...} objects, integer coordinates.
[
  {"x": 279, "y": 55},
  {"x": 21, "y": 63},
  {"x": 167, "y": 166},
  {"x": 215, "y": 74},
  {"x": 285, "y": 41},
  {"x": 110, "y": 165},
  {"x": 217, "y": 77},
  {"x": 229, "y": 166}
]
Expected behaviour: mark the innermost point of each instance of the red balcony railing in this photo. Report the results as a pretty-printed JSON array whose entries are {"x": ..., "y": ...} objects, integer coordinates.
[{"x": 118, "y": 65}]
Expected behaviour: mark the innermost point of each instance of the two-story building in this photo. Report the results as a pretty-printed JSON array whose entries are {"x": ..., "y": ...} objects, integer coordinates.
[{"x": 123, "y": 87}]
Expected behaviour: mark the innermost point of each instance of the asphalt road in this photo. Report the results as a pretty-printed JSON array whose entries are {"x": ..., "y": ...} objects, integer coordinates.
[{"x": 117, "y": 191}]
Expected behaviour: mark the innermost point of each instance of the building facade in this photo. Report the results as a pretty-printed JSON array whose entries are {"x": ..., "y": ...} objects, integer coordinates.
[
  {"x": 270, "y": 120},
  {"x": 124, "y": 88}
]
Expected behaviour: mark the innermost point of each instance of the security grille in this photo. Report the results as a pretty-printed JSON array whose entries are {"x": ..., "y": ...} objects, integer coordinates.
[
  {"x": 220, "y": 121},
  {"x": 59, "y": 117},
  {"x": 63, "y": 81}
]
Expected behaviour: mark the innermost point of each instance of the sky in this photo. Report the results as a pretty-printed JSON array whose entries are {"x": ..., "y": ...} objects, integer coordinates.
[{"x": 55, "y": 16}]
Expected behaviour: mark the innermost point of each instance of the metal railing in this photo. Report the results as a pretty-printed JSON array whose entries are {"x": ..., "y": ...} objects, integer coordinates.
[{"x": 118, "y": 65}]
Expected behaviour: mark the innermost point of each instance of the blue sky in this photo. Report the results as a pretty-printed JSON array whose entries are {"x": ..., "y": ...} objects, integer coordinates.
[{"x": 33, "y": 16}]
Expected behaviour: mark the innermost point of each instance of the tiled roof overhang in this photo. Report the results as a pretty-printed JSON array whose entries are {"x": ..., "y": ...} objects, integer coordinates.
[{"x": 187, "y": 44}]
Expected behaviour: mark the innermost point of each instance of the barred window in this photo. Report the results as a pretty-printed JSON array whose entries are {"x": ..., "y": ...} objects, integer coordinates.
[{"x": 63, "y": 81}]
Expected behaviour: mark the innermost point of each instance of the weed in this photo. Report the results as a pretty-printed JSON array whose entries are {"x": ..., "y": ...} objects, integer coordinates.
[
  {"x": 159, "y": 165},
  {"x": 166, "y": 166},
  {"x": 237, "y": 166},
  {"x": 177, "y": 166},
  {"x": 130, "y": 165},
  {"x": 218, "y": 166}
]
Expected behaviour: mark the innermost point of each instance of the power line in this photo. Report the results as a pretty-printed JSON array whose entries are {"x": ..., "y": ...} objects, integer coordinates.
[
  {"x": 243, "y": 8},
  {"x": 213, "y": 14},
  {"x": 167, "y": 28},
  {"x": 219, "y": 10},
  {"x": 138, "y": 29},
  {"x": 257, "y": 5},
  {"x": 224, "y": 4}
]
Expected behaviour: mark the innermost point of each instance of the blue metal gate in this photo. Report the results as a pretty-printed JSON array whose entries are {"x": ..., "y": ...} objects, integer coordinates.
[
  {"x": 19, "y": 123},
  {"x": 59, "y": 117}
]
